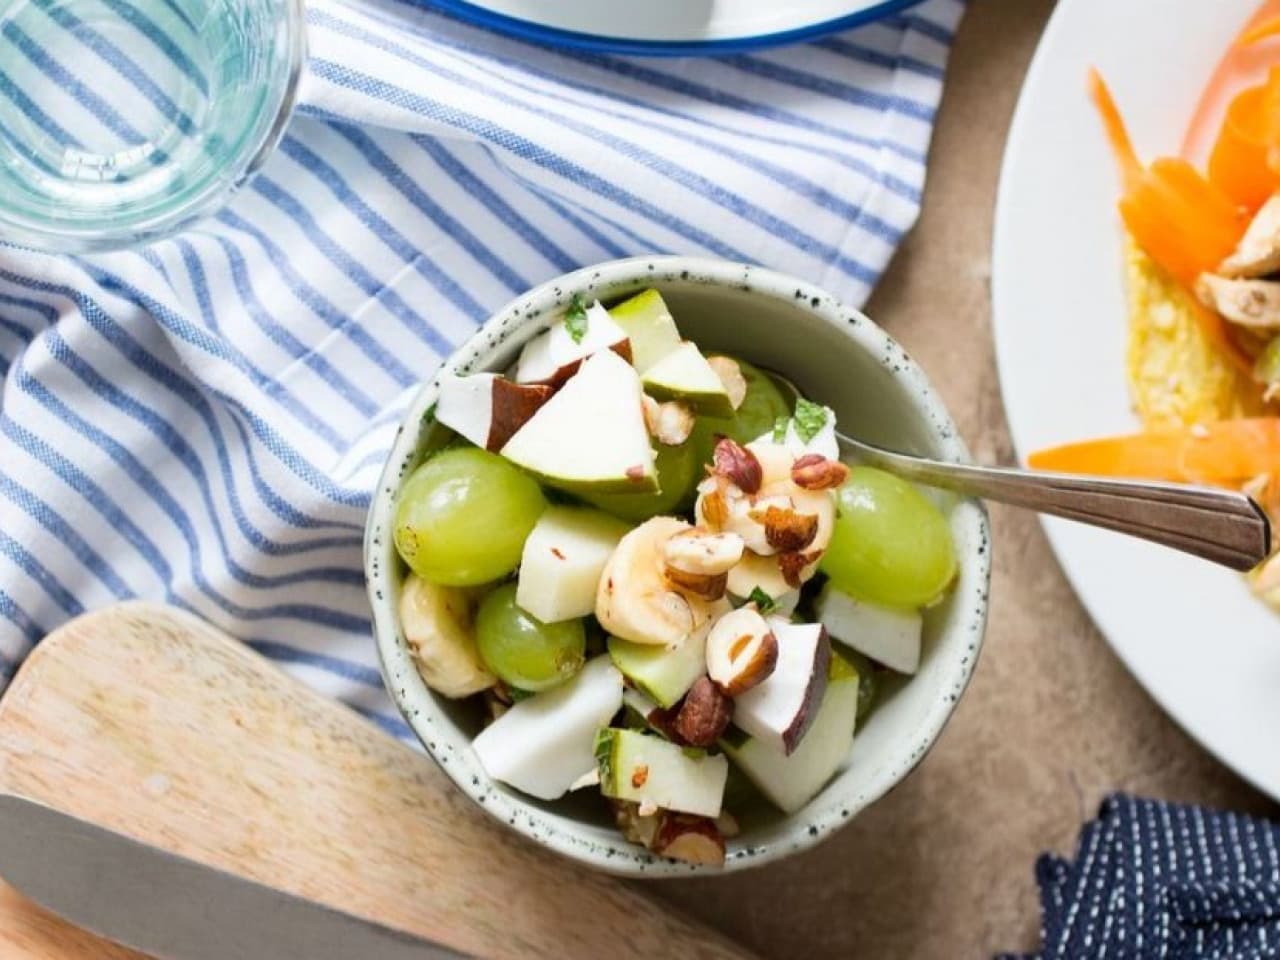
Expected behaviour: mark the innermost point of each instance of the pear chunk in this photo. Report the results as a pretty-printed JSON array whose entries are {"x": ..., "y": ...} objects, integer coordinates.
[
  {"x": 562, "y": 561},
  {"x": 591, "y": 436}
]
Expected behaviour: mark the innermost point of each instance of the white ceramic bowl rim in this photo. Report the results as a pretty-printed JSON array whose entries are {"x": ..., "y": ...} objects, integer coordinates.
[{"x": 457, "y": 758}]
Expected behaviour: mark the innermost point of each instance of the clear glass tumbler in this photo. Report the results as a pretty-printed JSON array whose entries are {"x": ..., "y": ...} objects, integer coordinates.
[{"x": 121, "y": 121}]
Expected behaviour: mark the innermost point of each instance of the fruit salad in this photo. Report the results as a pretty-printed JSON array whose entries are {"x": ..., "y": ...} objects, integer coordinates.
[{"x": 648, "y": 567}]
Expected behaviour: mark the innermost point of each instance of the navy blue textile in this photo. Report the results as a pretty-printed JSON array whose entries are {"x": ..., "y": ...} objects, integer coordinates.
[{"x": 1160, "y": 881}]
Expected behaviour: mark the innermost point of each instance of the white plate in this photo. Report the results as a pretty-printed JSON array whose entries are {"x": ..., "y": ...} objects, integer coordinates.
[
  {"x": 669, "y": 26},
  {"x": 1189, "y": 632}
]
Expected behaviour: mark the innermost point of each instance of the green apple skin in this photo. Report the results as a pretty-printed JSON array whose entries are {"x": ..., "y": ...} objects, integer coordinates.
[{"x": 679, "y": 470}]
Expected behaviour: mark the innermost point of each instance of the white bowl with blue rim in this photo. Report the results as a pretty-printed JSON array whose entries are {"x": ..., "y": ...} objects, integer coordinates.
[
  {"x": 836, "y": 356},
  {"x": 669, "y": 27}
]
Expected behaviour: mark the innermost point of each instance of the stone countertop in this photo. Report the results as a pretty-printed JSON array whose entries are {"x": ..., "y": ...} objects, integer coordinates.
[{"x": 942, "y": 866}]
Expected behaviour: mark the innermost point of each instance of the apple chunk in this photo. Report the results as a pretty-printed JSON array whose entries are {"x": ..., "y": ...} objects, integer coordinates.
[
  {"x": 887, "y": 636},
  {"x": 554, "y": 356},
  {"x": 779, "y": 711},
  {"x": 684, "y": 374},
  {"x": 562, "y": 561},
  {"x": 648, "y": 325},
  {"x": 544, "y": 744},
  {"x": 792, "y": 781},
  {"x": 488, "y": 409},
  {"x": 590, "y": 437},
  {"x": 649, "y": 770}
]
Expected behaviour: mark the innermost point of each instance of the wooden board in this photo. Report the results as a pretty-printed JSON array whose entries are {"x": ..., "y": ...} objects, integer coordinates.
[{"x": 148, "y": 721}]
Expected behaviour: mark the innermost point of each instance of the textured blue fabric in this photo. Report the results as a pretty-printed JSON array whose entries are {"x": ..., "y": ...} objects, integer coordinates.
[
  {"x": 202, "y": 422},
  {"x": 1160, "y": 881}
]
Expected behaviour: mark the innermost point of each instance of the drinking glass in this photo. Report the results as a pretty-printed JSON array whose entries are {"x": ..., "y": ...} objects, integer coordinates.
[{"x": 121, "y": 121}]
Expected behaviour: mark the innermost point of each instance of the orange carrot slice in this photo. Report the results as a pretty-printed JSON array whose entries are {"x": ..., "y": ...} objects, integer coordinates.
[
  {"x": 1117, "y": 134},
  {"x": 1238, "y": 163},
  {"x": 1230, "y": 451},
  {"x": 1242, "y": 65},
  {"x": 1260, "y": 31}
]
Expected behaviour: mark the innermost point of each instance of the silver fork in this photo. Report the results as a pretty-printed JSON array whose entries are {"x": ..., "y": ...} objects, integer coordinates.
[{"x": 1219, "y": 525}]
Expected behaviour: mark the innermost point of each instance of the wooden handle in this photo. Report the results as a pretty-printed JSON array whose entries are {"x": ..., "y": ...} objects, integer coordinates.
[{"x": 147, "y": 720}]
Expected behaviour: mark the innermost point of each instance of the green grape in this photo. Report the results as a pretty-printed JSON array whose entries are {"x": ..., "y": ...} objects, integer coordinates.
[
  {"x": 463, "y": 516},
  {"x": 523, "y": 651},
  {"x": 760, "y": 410},
  {"x": 890, "y": 545},
  {"x": 678, "y": 475}
]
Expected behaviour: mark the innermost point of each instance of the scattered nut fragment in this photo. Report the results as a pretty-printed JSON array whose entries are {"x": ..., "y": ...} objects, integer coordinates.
[
  {"x": 746, "y": 519},
  {"x": 813, "y": 471},
  {"x": 703, "y": 715},
  {"x": 793, "y": 566},
  {"x": 674, "y": 423},
  {"x": 727, "y": 824},
  {"x": 647, "y": 808},
  {"x": 730, "y": 374},
  {"x": 707, "y": 586},
  {"x": 787, "y": 530},
  {"x": 681, "y": 836},
  {"x": 713, "y": 502},
  {"x": 741, "y": 651},
  {"x": 652, "y": 411},
  {"x": 703, "y": 551},
  {"x": 737, "y": 463},
  {"x": 640, "y": 776},
  {"x": 632, "y": 825}
]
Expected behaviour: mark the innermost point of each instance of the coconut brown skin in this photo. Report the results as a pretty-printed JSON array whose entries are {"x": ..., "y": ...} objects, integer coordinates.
[
  {"x": 792, "y": 736},
  {"x": 513, "y": 405}
]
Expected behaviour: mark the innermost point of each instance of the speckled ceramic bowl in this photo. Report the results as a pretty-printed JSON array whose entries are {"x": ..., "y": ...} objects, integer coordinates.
[{"x": 838, "y": 357}]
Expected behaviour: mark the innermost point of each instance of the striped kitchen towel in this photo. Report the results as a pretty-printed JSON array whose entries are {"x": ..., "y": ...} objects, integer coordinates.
[
  {"x": 202, "y": 421},
  {"x": 1159, "y": 881}
]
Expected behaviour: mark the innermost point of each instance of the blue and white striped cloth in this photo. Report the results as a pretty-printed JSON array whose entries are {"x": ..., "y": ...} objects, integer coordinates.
[
  {"x": 1160, "y": 881},
  {"x": 201, "y": 422}
]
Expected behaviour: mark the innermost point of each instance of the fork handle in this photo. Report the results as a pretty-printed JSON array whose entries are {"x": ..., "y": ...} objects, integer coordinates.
[{"x": 1218, "y": 525}]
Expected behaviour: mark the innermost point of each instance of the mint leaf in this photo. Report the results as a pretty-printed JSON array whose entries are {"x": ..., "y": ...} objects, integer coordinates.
[
  {"x": 430, "y": 414},
  {"x": 575, "y": 318},
  {"x": 780, "y": 429},
  {"x": 810, "y": 418},
  {"x": 764, "y": 603},
  {"x": 517, "y": 694}
]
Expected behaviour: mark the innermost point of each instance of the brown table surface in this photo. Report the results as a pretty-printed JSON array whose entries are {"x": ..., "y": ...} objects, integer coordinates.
[{"x": 1052, "y": 722}]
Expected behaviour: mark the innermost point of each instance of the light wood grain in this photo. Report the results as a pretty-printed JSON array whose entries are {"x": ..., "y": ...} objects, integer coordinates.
[{"x": 148, "y": 721}]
